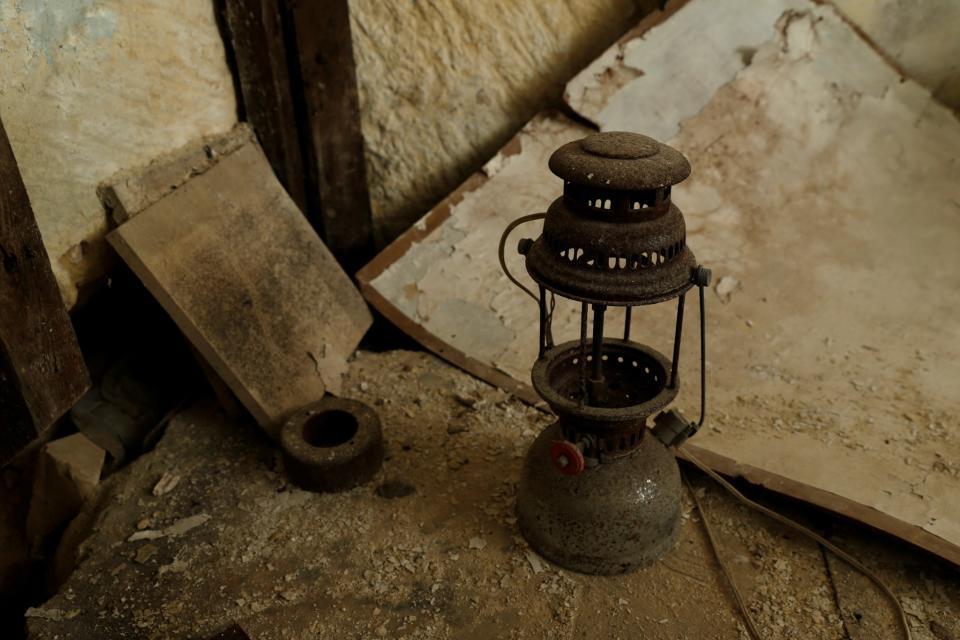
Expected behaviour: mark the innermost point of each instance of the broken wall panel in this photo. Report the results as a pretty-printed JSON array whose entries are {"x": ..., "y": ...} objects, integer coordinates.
[{"x": 823, "y": 195}]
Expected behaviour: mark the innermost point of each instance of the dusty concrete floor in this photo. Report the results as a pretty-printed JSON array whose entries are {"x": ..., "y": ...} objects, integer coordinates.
[{"x": 444, "y": 561}]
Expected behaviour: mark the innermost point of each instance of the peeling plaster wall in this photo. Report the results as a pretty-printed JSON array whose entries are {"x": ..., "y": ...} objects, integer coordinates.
[
  {"x": 89, "y": 87},
  {"x": 922, "y": 36},
  {"x": 444, "y": 84}
]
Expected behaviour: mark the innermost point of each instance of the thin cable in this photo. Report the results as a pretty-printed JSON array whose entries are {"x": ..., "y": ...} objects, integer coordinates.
[
  {"x": 503, "y": 243},
  {"x": 703, "y": 359},
  {"x": 747, "y": 618},
  {"x": 840, "y": 553}
]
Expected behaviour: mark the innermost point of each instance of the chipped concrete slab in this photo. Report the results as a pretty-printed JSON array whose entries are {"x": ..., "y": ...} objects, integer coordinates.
[{"x": 824, "y": 186}]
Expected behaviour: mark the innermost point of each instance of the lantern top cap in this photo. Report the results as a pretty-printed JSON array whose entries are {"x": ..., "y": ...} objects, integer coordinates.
[{"x": 620, "y": 160}]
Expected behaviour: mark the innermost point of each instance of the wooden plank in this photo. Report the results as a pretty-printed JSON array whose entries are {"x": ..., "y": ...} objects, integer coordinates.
[
  {"x": 255, "y": 37},
  {"x": 42, "y": 372},
  {"x": 325, "y": 53},
  {"x": 247, "y": 280}
]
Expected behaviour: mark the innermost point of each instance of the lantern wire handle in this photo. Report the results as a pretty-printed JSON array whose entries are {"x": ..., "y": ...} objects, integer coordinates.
[{"x": 503, "y": 243}]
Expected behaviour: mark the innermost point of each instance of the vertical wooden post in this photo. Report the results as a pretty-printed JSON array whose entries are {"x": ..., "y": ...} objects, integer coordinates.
[
  {"x": 255, "y": 39},
  {"x": 42, "y": 373},
  {"x": 325, "y": 50}
]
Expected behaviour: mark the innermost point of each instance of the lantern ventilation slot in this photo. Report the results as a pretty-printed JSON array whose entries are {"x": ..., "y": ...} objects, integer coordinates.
[{"x": 633, "y": 262}]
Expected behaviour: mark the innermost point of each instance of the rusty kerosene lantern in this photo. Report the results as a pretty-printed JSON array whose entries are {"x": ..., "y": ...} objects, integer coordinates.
[{"x": 600, "y": 490}]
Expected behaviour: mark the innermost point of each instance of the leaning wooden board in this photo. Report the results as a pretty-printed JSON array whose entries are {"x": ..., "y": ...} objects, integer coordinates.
[
  {"x": 823, "y": 194},
  {"x": 247, "y": 280},
  {"x": 42, "y": 373}
]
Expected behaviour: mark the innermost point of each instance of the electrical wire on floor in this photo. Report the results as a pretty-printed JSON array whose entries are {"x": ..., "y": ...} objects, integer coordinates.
[{"x": 840, "y": 553}]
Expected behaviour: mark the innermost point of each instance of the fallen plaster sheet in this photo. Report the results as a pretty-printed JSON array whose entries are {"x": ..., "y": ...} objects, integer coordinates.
[
  {"x": 825, "y": 197},
  {"x": 666, "y": 70}
]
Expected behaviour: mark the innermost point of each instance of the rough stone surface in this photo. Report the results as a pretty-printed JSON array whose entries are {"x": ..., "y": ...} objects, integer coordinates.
[
  {"x": 444, "y": 84},
  {"x": 90, "y": 87},
  {"x": 443, "y": 561}
]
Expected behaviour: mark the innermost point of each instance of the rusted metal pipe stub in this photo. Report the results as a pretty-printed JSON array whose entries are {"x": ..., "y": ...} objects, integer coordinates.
[{"x": 334, "y": 444}]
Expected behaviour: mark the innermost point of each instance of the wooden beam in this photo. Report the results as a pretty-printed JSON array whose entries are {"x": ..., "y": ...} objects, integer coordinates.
[
  {"x": 254, "y": 35},
  {"x": 42, "y": 373},
  {"x": 329, "y": 82}
]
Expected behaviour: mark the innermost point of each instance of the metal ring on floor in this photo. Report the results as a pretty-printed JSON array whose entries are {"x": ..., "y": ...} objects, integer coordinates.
[{"x": 332, "y": 445}]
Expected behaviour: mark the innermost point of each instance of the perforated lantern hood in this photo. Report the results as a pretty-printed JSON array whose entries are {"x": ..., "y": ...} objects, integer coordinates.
[{"x": 614, "y": 237}]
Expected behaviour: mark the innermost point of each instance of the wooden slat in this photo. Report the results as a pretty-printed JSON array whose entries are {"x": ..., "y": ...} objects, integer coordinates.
[
  {"x": 325, "y": 52},
  {"x": 42, "y": 372}
]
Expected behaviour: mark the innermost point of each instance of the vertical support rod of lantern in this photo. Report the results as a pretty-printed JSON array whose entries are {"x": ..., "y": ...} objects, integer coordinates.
[
  {"x": 676, "y": 341},
  {"x": 626, "y": 324},
  {"x": 583, "y": 353},
  {"x": 598, "y": 311},
  {"x": 543, "y": 320}
]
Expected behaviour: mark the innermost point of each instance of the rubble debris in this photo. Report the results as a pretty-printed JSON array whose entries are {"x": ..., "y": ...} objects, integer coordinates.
[
  {"x": 144, "y": 553},
  {"x": 725, "y": 287},
  {"x": 178, "y": 528},
  {"x": 535, "y": 562},
  {"x": 56, "y": 615},
  {"x": 167, "y": 483}
]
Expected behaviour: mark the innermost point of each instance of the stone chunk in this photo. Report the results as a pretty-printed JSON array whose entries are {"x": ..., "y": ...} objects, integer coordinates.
[{"x": 67, "y": 475}]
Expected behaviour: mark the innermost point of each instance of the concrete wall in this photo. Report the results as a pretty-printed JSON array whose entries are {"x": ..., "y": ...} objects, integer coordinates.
[
  {"x": 445, "y": 83},
  {"x": 88, "y": 87}
]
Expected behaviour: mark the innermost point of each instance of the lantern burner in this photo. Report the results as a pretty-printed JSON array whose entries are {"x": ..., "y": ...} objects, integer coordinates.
[{"x": 600, "y": 490}]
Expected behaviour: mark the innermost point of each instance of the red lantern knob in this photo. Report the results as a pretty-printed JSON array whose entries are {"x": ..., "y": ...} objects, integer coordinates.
[{"x": 567, "y": 457}]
